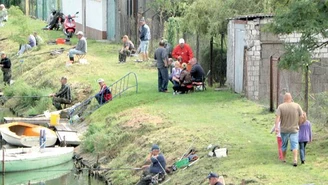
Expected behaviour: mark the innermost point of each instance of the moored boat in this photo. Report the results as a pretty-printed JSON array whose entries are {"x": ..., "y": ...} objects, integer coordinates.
[
  {"x": 23, "y": 159},
  {"x": 26, "y": 134}
]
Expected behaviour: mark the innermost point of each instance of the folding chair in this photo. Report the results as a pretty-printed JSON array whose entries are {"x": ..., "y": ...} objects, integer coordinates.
[{"x": 201, "y": 86}]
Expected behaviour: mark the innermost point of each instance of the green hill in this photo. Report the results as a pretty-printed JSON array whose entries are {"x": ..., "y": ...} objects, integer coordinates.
[{"x": 123, "y": 130}]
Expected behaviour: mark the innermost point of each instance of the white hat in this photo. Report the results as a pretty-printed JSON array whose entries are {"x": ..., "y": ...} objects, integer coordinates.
[
  {"x": 181, "y": 41},
  {"x": 79, "y": 33},
  {"x": 100, "y": 80}
]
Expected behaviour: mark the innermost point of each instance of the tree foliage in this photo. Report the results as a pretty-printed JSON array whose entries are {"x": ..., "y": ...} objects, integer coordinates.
[
  {"x": 307, "y": 17},
  {"x": 24, "y": 22}
]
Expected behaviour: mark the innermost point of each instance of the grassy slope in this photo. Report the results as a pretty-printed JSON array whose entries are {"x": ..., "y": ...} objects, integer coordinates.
[{"x": 126, "y": 127}]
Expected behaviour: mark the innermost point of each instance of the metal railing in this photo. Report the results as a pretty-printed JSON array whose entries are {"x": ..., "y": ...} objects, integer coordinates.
[
  {"x": 123, "y": 84},
  {"x": 117, "y": 89}
]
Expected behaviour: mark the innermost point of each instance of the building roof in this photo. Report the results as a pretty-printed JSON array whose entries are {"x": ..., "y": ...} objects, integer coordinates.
[{"x": 252, "y": 16}]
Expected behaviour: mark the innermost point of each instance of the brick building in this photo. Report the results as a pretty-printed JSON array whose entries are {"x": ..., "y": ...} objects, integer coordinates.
[{"x": 250, "y": 50}]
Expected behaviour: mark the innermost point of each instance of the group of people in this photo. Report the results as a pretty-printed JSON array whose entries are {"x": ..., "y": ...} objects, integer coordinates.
[
  {"x": 156, "y": 167},
  {"x": 181, "y": 75},
  {"x": 291, "y": 125}
]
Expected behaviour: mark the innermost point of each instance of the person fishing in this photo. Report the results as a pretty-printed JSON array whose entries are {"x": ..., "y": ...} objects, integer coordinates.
[
  {"x": 156, "y": 167},
  {"x": 104, "y": 95},
  {"x": 63, "y": 96},
  {"x": 5, "y": 65}
]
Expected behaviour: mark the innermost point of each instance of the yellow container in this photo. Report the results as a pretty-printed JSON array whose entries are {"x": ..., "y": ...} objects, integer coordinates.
[{"x": 54, "y": 119}]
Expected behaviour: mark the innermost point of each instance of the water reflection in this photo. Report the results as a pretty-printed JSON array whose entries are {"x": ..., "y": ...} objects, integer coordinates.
[{"x": 57, "y": 175}]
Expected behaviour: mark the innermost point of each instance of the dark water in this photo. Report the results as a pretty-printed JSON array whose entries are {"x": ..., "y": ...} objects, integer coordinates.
[{"x": 58, "y": 175}]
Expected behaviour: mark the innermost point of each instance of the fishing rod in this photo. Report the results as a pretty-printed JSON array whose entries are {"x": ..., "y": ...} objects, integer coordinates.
[
  {"x": 184, "y": 154},
  {"x": 27, "y": 96}
]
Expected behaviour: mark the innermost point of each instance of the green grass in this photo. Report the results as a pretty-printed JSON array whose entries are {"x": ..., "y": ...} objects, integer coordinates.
[{"x": 124, "y": 129}]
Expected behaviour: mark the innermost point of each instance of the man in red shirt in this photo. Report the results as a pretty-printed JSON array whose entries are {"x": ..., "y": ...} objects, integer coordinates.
[{"x": 182, "y": 52}]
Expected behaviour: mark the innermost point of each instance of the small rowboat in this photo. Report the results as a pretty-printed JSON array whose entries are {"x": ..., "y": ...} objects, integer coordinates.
[
  {"x": 23, "y": 159},
  {"x": 25, "y": 134}
]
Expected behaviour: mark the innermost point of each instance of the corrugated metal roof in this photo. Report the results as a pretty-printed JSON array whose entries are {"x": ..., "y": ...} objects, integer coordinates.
[{"x": 251, "y": 16}]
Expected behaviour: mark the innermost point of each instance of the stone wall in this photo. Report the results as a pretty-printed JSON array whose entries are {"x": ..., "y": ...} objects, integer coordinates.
[
  {"x": 260, "y": 46},
  {"x": 253, "y": 59}
]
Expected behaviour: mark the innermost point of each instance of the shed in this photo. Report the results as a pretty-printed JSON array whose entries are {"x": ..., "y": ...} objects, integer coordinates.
[{"x": 253, "y": 52}]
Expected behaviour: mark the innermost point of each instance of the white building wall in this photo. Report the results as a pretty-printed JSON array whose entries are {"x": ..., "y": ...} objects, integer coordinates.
[
  {"x": 71, "y": 7},
  {"x": 96, "y": 14},
  {"x": 230, "y": 55}
]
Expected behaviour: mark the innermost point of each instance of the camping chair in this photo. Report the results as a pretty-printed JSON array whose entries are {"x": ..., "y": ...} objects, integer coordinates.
[
  {"x": 201, "y": 86},
  {"x": 79, "y": 57}
]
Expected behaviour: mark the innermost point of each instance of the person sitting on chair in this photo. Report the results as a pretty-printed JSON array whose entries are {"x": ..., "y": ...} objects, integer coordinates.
[
  {"x": 104, "y": 95},
  {"x": 80, "y": 48},
  {"x": 63, "y": 96},
  {"x": 197, "y": 72},
  {"x": 127, "y": 49},
  {"x": 184, "y": 81},
  {"x": 157, "y": 166}
]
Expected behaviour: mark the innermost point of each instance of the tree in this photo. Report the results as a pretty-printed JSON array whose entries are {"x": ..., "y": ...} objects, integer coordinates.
[{"x": 310, "y": 19}]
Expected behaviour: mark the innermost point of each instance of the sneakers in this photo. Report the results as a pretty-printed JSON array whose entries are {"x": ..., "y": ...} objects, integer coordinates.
[{"x": 295, "y": 164}]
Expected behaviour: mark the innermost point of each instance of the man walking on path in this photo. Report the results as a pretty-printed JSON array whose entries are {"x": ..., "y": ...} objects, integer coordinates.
[
  {"x": 5, "y": 65},
  {"x": 63, "y": 96},
  {"x": 289, "y": 115},
  {"x": 161, "y": 62},
  {"x": 80, "y": 48},
  {"x": 144, "y": 39}
]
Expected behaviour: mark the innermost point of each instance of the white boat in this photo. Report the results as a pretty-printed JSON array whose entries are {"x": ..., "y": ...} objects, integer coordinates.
[
  {"x": 23, "y": 159},
  {"x": 26, "y": 134}
]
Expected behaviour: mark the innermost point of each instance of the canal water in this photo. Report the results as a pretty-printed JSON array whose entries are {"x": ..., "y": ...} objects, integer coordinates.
[
  {"x": 57, "y": 175},
  {"x": 63, "y": 174}
]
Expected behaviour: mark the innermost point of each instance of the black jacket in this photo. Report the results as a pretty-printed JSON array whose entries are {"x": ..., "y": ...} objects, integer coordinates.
[
  {"x": 197, "y": 73},
  {"x": 6, "y": 63}
]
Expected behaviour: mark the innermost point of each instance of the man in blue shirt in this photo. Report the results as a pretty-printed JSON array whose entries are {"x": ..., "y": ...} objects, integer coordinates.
[
  {"x": 157, "y": 166},
  {"x": 144, "y": 39}
]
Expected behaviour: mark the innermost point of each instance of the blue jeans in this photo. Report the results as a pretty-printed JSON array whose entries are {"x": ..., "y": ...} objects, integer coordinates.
[
  {"x": 73, "y": 52},
  {"x": 302, "y": 150},
  {"x": 100, "y": 99},
  {"x": 24, "y": 48},
  {"x": 163, "y": 79},
  {"x": 293, "y": 137}
]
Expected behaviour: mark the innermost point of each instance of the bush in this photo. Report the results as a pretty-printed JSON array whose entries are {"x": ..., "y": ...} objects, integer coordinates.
[
  {"x": 25, "y": 100},
  {"x": 219, "y": 72}
]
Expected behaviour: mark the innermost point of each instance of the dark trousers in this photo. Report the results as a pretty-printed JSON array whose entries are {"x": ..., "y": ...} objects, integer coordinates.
[
  {"x": 6, "y": 75},
  {"x": 122, "y": 55},
  {"x": 302, "y": 150},
  {"x": 180, "y": 88},
  {"x": 56, "y": 101},
  {"x": 163, "y": 79},
  {"x": 100, "y": 99}
]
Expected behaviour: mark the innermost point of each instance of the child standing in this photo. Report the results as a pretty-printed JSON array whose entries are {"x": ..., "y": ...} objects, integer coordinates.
[
  {"x": 304, "y": 136},
  {"x": 279, "y": 141}
]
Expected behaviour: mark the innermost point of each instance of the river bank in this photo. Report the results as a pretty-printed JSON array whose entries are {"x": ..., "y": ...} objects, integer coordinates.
[{"x": 122, "y": 131}]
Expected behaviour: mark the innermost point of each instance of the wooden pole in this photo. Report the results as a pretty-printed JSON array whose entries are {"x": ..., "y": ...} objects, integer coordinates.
[
  {"x": 306, "y": 93},
  {"x": 271, "y": 84},
  {"x": 3, "y": 160},
  {"x": 278, "y": 83},
  {"x": 211, "y": 63},
  {"x": 27, "y": 7}
]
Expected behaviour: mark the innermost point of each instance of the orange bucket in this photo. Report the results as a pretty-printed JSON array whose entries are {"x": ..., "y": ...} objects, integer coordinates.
[{"x": 60, "y": 41}]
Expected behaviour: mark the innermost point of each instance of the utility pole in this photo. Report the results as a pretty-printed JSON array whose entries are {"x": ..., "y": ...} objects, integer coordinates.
[{"x": 27, "y": 7}]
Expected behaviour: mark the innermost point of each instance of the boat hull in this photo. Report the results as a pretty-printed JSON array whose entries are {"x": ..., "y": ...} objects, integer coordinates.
[
  {"x": 23, "y": 159},
  {"x": 19, "y": 139}
]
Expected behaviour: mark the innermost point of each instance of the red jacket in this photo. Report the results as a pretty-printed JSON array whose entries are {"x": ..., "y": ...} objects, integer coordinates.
[
  {"x": 185, "y": 53},
  {"x": 105, "y": 91}
]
